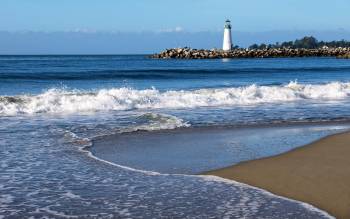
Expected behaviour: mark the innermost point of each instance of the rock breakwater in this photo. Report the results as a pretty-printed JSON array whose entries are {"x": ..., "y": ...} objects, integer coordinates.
[{"x": 188, "y": 53}]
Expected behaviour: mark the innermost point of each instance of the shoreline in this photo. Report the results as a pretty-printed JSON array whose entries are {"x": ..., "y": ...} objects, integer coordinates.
[
  {"x": 85, "y": 149},
  {"x": 195, "y": 150},
  {"x": 317, "y": 173},
  {"x": 218, "y": 177}
]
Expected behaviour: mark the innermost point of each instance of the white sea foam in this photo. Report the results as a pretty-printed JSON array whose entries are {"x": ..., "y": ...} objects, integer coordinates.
[
  {"x": 64, "y": 101},
  {"x": 239, "y": 184},
  {"x": 158, "y": 121}
]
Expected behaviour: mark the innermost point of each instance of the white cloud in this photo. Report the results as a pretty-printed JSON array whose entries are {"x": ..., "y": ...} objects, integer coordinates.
[
  {"x": 83, "y": 30},
  {"x": 172, "y": 30}
]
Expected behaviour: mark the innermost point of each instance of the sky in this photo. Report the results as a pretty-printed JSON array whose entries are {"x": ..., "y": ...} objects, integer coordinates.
[{"x": 160, "y": 21}]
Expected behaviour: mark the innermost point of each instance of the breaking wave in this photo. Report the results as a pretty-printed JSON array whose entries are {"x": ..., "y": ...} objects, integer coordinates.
[
  {"x": 143, "y": 122},
  {"x": 77, "y": 101}
]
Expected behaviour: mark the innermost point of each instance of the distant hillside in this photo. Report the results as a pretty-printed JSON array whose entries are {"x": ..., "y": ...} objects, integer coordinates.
[
  {"x": 308, "y": 42},
  {"x": 80, "y": 42}
]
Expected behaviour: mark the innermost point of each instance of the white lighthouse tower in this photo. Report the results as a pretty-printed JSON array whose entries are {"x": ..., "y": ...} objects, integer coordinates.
[{"x": 227, "y": 45}]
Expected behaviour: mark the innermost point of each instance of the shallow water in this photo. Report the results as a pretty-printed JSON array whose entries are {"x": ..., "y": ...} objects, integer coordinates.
[
  {"x": 44, "y": 174},
  {"x": 196, "y": 150},
  {"x": 53, "y": 106}
]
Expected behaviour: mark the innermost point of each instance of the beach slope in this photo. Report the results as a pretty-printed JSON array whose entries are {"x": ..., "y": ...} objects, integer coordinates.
[{"x": 318, "y": 173}]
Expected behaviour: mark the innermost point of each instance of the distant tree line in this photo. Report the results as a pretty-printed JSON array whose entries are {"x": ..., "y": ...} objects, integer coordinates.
[{"x": 308, "y": 42}]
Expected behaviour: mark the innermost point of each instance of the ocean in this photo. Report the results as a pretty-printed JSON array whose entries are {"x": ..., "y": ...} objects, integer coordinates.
[{"x": 126, "y": 136}]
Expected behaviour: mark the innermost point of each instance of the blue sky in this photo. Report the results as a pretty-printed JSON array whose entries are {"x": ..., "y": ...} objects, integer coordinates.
[
  {"x": 156, "y": 15},
  {"x": 162, "y": 23}
]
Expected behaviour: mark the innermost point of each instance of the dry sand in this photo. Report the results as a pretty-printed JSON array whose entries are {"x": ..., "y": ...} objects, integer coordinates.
[{"x": 318, "y": 173}]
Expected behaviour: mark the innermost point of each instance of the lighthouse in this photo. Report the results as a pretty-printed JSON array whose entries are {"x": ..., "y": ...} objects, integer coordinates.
[{"x": 227, "y": 44}]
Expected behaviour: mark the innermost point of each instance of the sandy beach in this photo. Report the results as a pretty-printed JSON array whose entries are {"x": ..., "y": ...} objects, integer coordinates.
[{"x": 318, "y": 173}]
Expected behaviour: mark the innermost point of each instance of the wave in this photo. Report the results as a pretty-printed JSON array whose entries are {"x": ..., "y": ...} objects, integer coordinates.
[
  {"x": 143, "y": 122},
  {"x": 158, "y": 73},
  {"x": 157, "y": 121},
  {"x": 76, "y": 101}
]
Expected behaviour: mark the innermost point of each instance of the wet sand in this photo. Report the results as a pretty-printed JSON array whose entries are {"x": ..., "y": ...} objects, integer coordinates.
[{"x": 318, "y": 173}]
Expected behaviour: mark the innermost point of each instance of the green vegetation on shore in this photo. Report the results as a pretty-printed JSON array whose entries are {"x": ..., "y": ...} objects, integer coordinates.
[{"x": 307, "y": 42}]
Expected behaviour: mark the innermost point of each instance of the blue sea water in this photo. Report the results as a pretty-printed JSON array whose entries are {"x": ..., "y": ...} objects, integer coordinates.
[{"x": 53, "y": 107}]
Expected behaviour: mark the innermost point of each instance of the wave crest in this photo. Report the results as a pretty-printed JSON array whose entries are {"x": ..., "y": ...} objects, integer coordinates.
[{"x": 65, "y": 101}]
